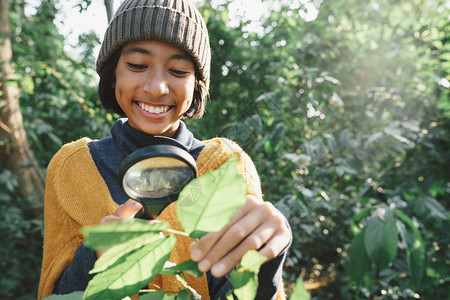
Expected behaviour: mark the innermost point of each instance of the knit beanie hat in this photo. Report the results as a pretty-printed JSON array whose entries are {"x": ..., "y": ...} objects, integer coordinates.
[{"x": 177, "y": 22}]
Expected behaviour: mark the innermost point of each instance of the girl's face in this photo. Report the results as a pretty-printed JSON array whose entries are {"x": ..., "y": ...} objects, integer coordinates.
[{"x": 154, "y": 86}]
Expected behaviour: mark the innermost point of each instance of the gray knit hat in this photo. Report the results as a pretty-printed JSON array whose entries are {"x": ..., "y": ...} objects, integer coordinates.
[{"x": 176, "y": 22}]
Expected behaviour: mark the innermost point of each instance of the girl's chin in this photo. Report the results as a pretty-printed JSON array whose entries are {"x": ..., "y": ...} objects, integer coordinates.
[{"x": 168, "y": 131}]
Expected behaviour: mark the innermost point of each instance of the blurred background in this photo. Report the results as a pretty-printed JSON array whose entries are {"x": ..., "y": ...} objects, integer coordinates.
[{"x": 344, "y": 107}]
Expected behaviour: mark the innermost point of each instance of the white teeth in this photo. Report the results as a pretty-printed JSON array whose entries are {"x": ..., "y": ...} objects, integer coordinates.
[{"x": 153, "y": 109}]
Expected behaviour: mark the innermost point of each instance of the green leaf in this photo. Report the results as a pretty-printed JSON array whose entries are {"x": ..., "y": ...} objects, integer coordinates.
[
  {"x": 131, "y": 272},
  {"x": 252, "y": 261},
  {"x": 356, "y": 219},
  {"x": 332, "y": 145},
  {"x": 107, "y": 235},
  {"x": 415, "y": 250},
  {"x": 183, "y": 295},
  {"x": 189, "y": 266},
  {"x": 116, "y": 252},
  {"x": 359, "y": 260},
  {"x": 245, "y": 279},
  {"x": 299, "y": 292},
  {"x": 245, "y": 284},
  {"x": 71, "y": 296},
  {"x": 436, "y": 209},
  {"x": 194, "y": 294},
  {"x": 222, "y": 192},
  {"x": 435, "y": 189},
  {"x": 381, "y": 237}
]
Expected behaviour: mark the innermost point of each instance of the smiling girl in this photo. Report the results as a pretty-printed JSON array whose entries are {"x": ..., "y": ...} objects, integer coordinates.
[{"x": 154, "y": 68}]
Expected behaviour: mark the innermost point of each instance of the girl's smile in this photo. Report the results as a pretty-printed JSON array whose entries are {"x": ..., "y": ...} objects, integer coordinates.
[{"x": 154, "y": 85}]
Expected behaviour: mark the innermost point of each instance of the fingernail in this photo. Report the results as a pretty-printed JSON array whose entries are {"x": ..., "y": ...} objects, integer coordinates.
[
  {"x": 196, "y": 254},
  {"x": 192, "y": 246},
  {"x": 204, "y": 265},
  {"x": 218, "y": 269},
  {"x": 136, "y": 204}
]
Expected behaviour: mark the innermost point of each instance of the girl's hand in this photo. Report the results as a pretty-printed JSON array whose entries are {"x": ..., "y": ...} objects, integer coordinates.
[
  {"x": 257, "y": 225},
  {"x": 126, "y": 210}
]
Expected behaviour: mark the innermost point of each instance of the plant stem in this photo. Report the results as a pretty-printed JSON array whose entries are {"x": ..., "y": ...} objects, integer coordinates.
[
  {"x": 149, "y": 291},
  {"x": 177, "y": 232}
]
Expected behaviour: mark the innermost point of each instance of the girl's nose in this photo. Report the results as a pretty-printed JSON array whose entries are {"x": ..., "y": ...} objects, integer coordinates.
[{"x": 156, "y": 84}]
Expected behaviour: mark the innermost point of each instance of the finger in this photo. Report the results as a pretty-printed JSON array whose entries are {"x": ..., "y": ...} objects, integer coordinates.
[
  {"x": 275, "y": 245},
  {"x": 128, "y": 209},
  {"x": 253, "y": 242},
  {"x": 272, "y": 225},
  {"x": 109, "y": 219},
  {"x": 99, "y": 253},
  {"x": 230, "y": 239},
  {"x": 202, "y": 247}
]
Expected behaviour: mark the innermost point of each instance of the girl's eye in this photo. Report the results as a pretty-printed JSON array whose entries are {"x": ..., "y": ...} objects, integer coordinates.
[
  {"x": 178, "y": 72},
  {"x": 137, "y": 66}
]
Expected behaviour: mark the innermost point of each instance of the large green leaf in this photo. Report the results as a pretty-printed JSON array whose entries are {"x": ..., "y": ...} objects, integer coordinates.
[
  {"x": 381, "y": 237},
  {"x": 115, "y": 253},
  {"x": 107, "y": 235},
  {"x": 359, "y": 261},
  {"x": 131, "y": 272},
  {"x": 221, "y": 193},
  {"x": 415, "y": 250},
  {"x": 299, "y": 292}
]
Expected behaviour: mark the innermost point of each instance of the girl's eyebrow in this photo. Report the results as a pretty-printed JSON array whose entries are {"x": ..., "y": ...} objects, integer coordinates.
[{"x": 148, "y": 52}]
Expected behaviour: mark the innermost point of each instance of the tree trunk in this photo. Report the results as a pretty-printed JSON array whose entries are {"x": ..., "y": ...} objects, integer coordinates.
[
  {"x": 109, "y": 4},
  {"x": 15, "y": 153}
]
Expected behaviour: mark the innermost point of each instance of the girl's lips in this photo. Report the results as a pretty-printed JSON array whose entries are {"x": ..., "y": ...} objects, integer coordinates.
[{"x": 158, "y": 111}]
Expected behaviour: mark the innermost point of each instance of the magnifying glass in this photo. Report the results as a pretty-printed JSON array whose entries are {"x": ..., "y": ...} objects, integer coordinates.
[{"x": 155, "y": 175}]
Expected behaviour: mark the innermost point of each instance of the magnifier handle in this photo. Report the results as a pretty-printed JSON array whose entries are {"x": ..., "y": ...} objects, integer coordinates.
[{"x": 151, "y": 208}]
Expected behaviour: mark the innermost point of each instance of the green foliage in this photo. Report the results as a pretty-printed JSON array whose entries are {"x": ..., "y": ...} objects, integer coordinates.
[
  {"x": 381, "y": 238},
  {"x": 58, "y": 98},
  {"x": 344, "y": 118},
  {"x": 59, "y": 103},
  {"x": 21, "y": 242}
]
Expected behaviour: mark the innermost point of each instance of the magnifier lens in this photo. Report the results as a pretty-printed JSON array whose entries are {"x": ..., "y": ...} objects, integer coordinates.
[{"x": 156, "y": 177}]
